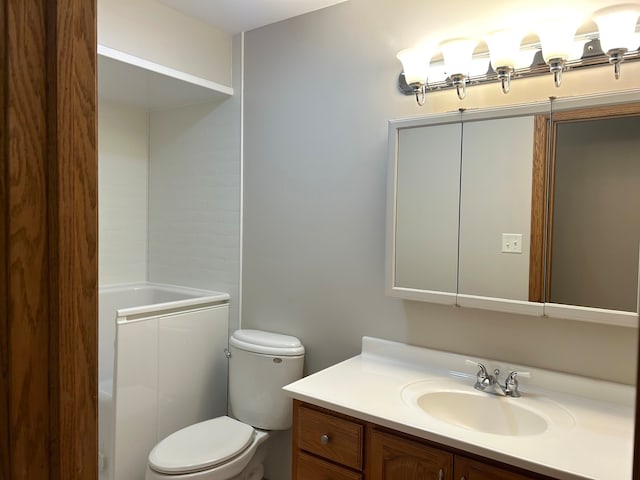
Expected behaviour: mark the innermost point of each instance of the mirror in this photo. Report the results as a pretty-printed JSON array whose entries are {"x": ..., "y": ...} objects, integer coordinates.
[
  {"x": 548, "y": 189},
  {"x": 594, "y": 226},
  {"x": 426, "y": 233},
  {"x": 495, "y": 208}
]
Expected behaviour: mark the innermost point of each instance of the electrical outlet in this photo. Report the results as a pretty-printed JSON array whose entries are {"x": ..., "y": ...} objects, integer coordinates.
[{"x": 511, "y": 243}]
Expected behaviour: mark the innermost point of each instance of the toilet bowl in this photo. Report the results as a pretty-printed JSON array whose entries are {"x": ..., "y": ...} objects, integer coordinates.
[
  {"x": 226, "y": 448},
  {"x": 218, "y": 449}
]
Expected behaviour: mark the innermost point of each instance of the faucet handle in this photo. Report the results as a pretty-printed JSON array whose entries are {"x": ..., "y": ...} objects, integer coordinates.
[
  {"x": 511, "y": 383},
  {"x": 483, "y": 379},
  {"x": 482, "y": 368}
]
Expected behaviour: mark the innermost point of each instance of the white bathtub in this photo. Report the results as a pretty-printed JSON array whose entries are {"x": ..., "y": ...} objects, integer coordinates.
[{"x": 161, "y": 367}]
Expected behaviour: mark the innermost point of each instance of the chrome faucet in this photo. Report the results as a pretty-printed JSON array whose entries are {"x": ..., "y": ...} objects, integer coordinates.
[{"x": 486, "y": 382}]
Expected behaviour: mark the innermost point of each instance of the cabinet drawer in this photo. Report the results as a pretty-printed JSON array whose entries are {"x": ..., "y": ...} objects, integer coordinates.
[
  {"x": 330, "y": 437},
  {"x": 312, "y": 468}
]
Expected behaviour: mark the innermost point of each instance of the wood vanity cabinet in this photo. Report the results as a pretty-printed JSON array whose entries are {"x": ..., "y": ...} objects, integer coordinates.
[{"x": 332, "y": 446}]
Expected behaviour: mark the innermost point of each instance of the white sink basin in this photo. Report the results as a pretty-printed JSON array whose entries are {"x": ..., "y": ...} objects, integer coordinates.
[
  {"x": 498, "y": 415},
  {"x": 464, "y": 407}
]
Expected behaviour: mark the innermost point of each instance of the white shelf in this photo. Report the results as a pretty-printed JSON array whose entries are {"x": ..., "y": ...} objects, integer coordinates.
[{"x": 131, "y": 80}]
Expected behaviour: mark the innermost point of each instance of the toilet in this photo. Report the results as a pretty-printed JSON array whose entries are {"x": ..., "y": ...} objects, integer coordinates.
[{"x": 233, "y": 447}]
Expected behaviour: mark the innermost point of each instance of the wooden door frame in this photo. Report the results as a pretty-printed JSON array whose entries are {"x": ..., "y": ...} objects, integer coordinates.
[{"x": 48, "y": 236}]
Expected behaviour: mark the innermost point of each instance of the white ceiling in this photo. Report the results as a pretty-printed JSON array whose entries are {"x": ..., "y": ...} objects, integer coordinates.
[{"x": 235, "y": 16}]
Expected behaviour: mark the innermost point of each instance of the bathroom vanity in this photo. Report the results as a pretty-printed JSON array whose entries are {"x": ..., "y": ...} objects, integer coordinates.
[
  {"x": 401, "y": 412},
  {"x": 330, "y": 445}
]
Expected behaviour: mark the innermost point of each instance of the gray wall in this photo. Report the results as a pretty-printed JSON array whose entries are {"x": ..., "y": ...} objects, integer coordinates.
[{"x": 319, "y": 90}]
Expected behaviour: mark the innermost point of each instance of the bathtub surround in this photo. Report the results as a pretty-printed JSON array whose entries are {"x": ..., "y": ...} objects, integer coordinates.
[
  {"x": 122, "y": 195},
  {"x": 170, "y": 195},
  {"x": 194, "y": 198}
]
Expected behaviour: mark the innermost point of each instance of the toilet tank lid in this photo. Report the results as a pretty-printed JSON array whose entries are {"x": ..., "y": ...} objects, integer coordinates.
[{"x": 267, "y": 343}]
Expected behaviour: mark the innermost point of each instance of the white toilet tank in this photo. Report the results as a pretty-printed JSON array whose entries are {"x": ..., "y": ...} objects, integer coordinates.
[{"x": 261, "y": 363}]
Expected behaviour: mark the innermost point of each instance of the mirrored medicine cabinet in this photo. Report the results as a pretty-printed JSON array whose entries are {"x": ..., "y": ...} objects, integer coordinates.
[{"x": 530, "y": 209}]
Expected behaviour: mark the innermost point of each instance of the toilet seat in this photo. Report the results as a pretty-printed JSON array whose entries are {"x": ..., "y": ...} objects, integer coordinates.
[{"x": 202, "y": 446}]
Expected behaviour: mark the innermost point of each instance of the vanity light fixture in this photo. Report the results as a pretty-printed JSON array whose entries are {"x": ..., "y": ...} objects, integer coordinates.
[
  {"x": 504, "y": 51},
  {"x": 461, "y": 63},
  {"x": 415, "y": 64},
  {"x": 617, "y": 27},
  {"x": 458, "y": 55}
]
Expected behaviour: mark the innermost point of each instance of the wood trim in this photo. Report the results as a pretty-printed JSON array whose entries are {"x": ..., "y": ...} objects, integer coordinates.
[
  {"x": 595, "y": 113},
  {"x": 48, "y": 234},
  {"x": 5, "y": 471},
  {"x": 538, "y": 208},
  {"x": 73, "y": 238}
]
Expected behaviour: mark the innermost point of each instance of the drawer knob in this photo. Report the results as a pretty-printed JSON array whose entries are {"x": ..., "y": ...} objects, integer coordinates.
[{"x": 324, "y": 439}]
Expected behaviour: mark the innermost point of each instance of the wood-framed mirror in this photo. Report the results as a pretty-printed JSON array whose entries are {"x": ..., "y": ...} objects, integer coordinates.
[{"x": 591, "y": 255}]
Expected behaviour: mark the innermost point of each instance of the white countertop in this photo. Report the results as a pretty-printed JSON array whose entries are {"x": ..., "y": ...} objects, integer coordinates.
[{"x": 596, "y": 444}]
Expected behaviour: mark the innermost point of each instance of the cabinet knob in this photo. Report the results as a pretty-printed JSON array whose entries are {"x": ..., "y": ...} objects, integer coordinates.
[{"x": 324, "y": 439}]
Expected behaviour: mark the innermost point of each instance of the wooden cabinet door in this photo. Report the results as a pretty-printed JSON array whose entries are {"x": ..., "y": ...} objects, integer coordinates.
[
  {"x": 309, "y": 467},
  {"x": 395, "y": 458},
  {"x": 466, "y": 469}
]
